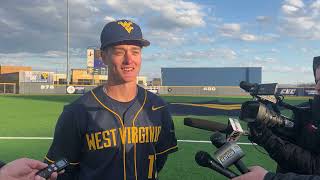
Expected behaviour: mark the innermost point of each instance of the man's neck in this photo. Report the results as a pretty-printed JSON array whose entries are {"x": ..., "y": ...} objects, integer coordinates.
[{"x": 121, "y": 92}]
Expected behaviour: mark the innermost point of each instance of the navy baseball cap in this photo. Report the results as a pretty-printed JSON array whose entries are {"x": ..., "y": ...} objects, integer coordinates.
[{"x": 121, "y": 31}]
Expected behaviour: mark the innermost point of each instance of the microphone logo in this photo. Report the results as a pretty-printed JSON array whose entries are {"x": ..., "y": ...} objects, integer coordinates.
[{"x": 226, "y": 155}]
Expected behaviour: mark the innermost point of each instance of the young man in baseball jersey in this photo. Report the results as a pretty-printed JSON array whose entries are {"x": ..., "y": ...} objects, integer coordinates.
[{"x": 118, "y": 131}]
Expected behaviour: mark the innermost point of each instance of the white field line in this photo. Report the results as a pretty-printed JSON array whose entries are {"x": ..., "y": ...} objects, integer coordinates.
[
  {"x": 23, "y": 138},
  {"x": 50, "y": 138},
  {"x": 195, "y": 141}
]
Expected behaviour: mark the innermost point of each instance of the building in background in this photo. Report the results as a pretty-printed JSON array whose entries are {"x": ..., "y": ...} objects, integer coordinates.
[
  {"x": 95, "y": 64},
  {"x": 13, "y": 69},
  {"x": 27, "y": 82},
  {"x": 59, "y": 78},
  {"x": 156, "y": 82},
  {"x": 212, "y": 76},
  {"x": 82, "y": 77}
]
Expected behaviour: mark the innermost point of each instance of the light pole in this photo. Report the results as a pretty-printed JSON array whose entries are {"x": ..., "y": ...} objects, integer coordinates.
[{"x": 67, "y": 43}]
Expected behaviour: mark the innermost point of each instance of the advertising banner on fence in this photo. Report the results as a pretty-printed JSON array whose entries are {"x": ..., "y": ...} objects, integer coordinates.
[
  {"x": 287, "y": 91},
  {"x": 37, "y": 76},
  {"x": 309, "y": 92}
]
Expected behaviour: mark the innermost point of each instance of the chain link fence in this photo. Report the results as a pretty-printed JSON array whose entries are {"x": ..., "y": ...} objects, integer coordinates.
[{"x": 8, "y": 88}]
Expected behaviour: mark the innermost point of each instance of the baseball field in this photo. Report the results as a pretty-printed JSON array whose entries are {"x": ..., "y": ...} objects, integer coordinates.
[{"x": 27, "y": 125}]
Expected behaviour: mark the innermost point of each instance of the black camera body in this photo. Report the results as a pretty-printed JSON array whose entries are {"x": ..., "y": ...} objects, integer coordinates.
[
  {"x": 265, "y": 108},
  {"x": 264, "y": 111}
]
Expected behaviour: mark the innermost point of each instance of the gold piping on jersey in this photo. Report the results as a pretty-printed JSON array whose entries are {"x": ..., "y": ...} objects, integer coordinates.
[
  {"x": 51, "y": 161},
  {"x": 167, "y": 150},
  {"x": 121, "y": 122},
  {"x": 133, "y": 125}
]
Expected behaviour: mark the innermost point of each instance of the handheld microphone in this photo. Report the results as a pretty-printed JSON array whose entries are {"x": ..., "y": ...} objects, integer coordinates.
[
  {"x": 218, "y": 141},
  {"x": 237, "y": 130},
  {"x": 205, "y": 160}
]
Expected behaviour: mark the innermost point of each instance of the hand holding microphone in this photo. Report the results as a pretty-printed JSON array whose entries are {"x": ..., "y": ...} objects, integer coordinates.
[
  {"x": 229, "y": 152},
  {"x": 205, "y": 160}
]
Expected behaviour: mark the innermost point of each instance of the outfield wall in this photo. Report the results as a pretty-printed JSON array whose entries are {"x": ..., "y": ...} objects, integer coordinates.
[
  {"x": 48, "y": 88},
  {"x": 202, "y": 90}
]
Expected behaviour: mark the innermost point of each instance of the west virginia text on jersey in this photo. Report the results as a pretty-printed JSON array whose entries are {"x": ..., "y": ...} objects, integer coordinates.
[{"x": 128, "y": 135}]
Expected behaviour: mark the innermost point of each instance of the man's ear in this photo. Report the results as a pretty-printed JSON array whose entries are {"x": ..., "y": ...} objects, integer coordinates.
[{"x": 104, "y": 56}]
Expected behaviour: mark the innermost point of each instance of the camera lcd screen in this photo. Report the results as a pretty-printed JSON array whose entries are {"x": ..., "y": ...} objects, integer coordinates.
[{"x": 267, "y": 89}]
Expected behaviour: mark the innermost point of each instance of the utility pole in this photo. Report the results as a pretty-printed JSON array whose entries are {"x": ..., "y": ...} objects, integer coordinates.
[{"x": 67, "y": 43}]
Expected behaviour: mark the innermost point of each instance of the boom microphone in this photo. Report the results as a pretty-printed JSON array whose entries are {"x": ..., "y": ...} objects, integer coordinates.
[
  {"x": 233, "y": 129},
  {"x": 207, "y": 125},
  {"x": 218, "y": 141},
  {"x": 205, "y": 160}
]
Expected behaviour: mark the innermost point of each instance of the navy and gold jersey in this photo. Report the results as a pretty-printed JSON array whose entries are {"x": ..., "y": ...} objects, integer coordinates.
[{"x": 102, "y": 144}]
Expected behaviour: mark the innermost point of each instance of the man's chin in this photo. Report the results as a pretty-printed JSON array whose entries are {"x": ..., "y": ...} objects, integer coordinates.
[{"x": 129, "y": 79}]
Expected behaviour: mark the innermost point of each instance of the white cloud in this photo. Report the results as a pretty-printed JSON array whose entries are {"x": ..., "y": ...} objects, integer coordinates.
[
  {"x": 234, "y": 31},
  {"x": 263, "y": 19},
  {"x": 295, "y": 3},
  {"x": 230, "y": 29},
  {"x": 166, "y": 38},
  {"x": 193, "y": 57},
  {"x": 301, "y": 20},
  {"x": 214, "y": 54},
  {"x": 289, "y": 69},
  {"x": 315, "y": 5},
  {"x": 289, "y": 9},
  {"x": 11, "y": 24},
  {"x": 109, "y": 19},
  {"x": 248, "y": 37},
  {"x": 162, "y": 14}
]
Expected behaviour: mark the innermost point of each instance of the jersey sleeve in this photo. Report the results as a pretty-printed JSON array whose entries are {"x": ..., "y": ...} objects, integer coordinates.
[
  {"x": 2, "y": 164},
  {"x": 167, "y": 142},
  {"x": 66, "y": 142}
]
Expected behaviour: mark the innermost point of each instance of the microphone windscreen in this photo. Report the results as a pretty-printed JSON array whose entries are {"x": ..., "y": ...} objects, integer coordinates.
[
  {"x": 202, "y": 158},
  {"x": 246, "y": 85},
  {"x": 217, "y": 139},
  {"x": 205, "y": 124}
]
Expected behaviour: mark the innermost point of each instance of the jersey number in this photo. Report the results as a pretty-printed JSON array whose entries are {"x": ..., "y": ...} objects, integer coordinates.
[{"x": 152, "y": 158}]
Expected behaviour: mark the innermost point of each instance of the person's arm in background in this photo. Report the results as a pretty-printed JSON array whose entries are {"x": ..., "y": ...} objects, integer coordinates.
[
  {"x": 258, "y": 173},
  {"x": 286, "y": 154},
  {"x": 23, "y": 169}
]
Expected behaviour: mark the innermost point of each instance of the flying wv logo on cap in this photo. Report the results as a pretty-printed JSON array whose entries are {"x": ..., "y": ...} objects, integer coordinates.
[{"x": 126, "y": 25}]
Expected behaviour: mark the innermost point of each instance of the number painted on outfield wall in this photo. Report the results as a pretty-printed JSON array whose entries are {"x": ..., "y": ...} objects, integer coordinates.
[
  {"x": 46, "y": 87},
  {"x": 209, "y": 88}
]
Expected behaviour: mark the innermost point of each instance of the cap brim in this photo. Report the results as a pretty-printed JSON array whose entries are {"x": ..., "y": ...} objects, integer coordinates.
[
  {"x": 145, "y": 42},
  {"x": 138, "y": 42}
]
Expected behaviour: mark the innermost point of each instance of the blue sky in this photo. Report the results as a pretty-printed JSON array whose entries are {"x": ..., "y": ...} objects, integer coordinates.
[{"x": 281, "y": 36}]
